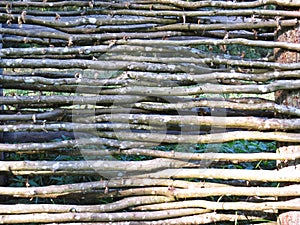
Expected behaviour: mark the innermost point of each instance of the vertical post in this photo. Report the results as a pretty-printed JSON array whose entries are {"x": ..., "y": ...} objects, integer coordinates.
[{"x": 288, "y": 98}]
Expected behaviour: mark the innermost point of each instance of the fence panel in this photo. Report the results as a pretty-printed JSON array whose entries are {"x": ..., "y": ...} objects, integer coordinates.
[{"x": 150, "y": 112}]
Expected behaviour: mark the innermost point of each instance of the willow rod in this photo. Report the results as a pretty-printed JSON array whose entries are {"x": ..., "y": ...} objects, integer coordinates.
[
  {"x": 54, "y": 191},
  {"x": 105, "y": 217},
  {"x": 219, "y": 104},
  {"x": 222, "y": 4},
  {"x": 213, "y": 156},
  {"x": 274, "y": 206},
  {"x": 135, "y": 121},
  {"x": 255, "y": 175},
  {"x": 148, "y": 46}
]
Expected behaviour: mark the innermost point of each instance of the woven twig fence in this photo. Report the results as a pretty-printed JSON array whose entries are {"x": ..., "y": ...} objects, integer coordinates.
[{"x": 118, "y": 112}]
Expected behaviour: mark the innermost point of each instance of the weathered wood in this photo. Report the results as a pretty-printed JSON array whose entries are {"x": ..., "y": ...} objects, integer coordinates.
[{"x": 136, "y": 83}]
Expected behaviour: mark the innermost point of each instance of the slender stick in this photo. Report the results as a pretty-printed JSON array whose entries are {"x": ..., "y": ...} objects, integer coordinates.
[
  {"x": 274, "y": 206},
  {"x": 219, "y": 104},
  {"x": 263, "y": 175},
  {"x": 54, "y": 191},
  {"x": 57, "y": 208},
  {"x": 107, "y": 217}
]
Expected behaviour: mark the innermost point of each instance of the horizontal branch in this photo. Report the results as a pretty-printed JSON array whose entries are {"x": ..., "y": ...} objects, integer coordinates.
[
  {"x": 50, "y": 115},
  {"x": 91, "y": 64},
  {"x": 235, "y": 41},
  {"x": 84, "y": 21},
  {"x": 107, "y": 217},
  {"x": 159, "y": 122},
  {"x": 98, "y": 165},
  {"x": 54, "y": 191},
  {"x": 204, "y": 13},
  {"x": 71, "y": 100},
  {"x": 179, "y": 65},
  {"x": 212, "y": 156},
  {"x": 212, "y": 77},
  {"x": 78, "y": 143},
  {"x": 202, "y": 139},
  {"x": 282, "y": 109},
  {"x": 222, "y": 4},
  {"x": 71, "y": 85},
  {"x": 45, "y": 4},
  {"x": 274, "y": 206},
  {"x": 226, "y": 26},
  {"x": 137, "y": 88},
  {"x": 178, "y": 3},
  {"x": 206, "y": 88},
  {"x": 181, "y": 173},
  {"x": 152, "y": 46},
  {"x": 90, "y": 38},
  {"x": 291, "y": 191},
  {"x": 132, "y": 78},
  {"x": 214, "y": 121},
  {"x": 254, "y": 175},
  {"x": 85, "y": 50},
  {"x": 57, "y": 208},
  {"x": 189, "y": 220},
  {"x": 71, "y": 127}
]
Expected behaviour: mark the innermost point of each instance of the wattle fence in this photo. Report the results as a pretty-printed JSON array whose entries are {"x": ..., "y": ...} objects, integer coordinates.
[{"x": 149, "y": 112}]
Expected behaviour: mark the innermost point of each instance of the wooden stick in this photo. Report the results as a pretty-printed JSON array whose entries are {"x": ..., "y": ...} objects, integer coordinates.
[
  {"x": 105, "y": 217},
  {"x": 262, "y": 206},
  {"x": 54, "y": 191},
  {"x": 256, "y": 175}
]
